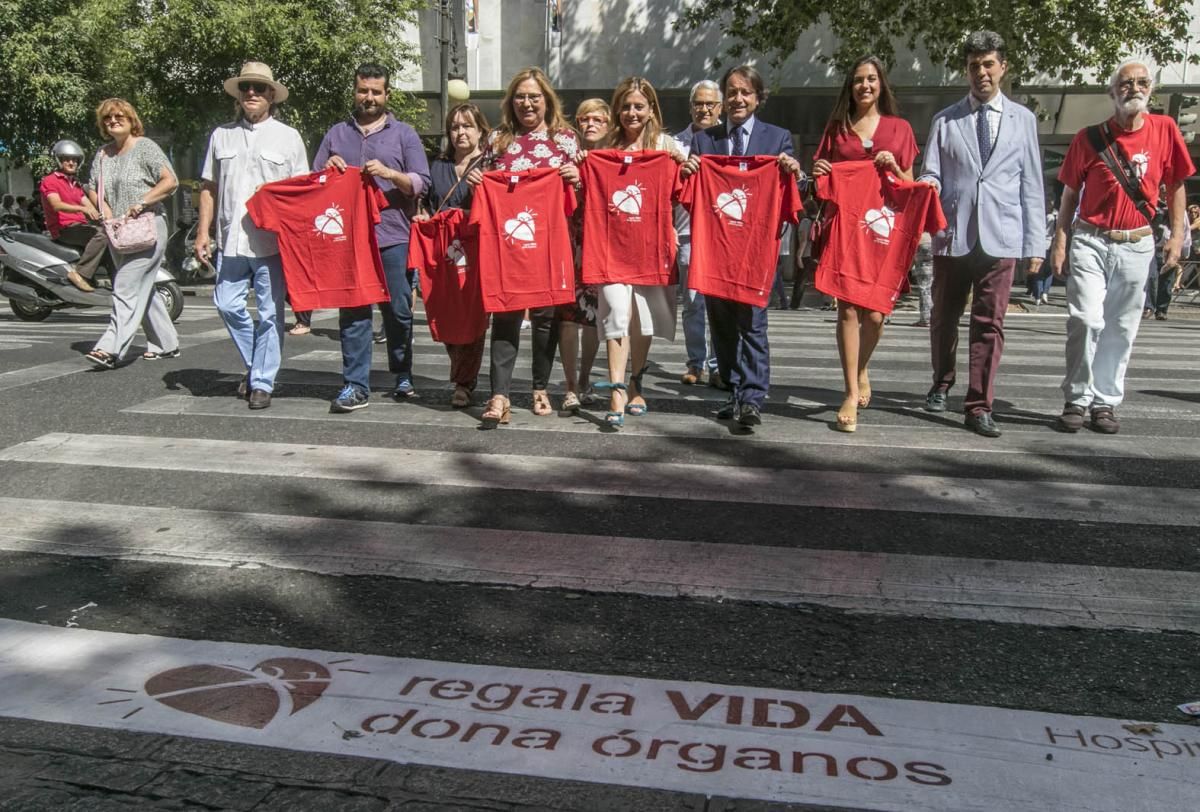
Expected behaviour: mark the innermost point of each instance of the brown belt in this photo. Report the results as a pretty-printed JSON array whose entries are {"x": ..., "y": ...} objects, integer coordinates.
[{"x": 1116, "y": 235}]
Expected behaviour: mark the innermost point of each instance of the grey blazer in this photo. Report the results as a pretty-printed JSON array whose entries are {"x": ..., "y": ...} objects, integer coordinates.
[{"x": 1002, "y": 205}]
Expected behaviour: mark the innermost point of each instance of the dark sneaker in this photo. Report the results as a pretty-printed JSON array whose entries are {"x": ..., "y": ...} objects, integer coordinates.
[
  {"x": 935, "y": 402},
  {"x": 749, "y": 415},
  {"x": 379, "y": 338},
  {"x": 1104, "y": 421},
  {"x": 728, "y": 410},
  {"x": 1071, "y": 419},
  {"x": 982, "y": 424},
  {"x": 350, "y": 399},
  {"x": 404, "y": 390}
]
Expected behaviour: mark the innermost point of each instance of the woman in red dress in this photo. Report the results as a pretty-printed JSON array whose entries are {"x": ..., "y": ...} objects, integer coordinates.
[{"x": 863, "y": 126}]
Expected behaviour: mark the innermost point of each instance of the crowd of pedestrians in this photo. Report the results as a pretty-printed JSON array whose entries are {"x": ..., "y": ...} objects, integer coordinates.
[{"x": 1123, "y": 191}]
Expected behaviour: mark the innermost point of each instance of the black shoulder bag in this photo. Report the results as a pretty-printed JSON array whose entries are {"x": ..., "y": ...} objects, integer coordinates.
[{"x": 1106, "y": 147}]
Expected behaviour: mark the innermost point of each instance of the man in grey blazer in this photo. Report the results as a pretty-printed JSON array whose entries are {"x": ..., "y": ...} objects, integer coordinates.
[{"x": 983, "y": 156}]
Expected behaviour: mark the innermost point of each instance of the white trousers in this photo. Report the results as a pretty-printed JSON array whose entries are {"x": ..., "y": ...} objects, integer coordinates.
[
  {"x": 1105, "y": 291},
  {"x": 134, "y": 301}
]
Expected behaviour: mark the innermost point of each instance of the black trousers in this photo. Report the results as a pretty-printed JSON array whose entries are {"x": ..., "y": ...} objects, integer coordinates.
[
  {"x": 91, "y": 242},
  {"x": 506, "y": 340}
]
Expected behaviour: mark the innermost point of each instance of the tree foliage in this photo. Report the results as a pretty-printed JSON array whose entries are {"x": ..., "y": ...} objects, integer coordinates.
[
  {"x": 59, "y": 58},
  {"x": 1062, "y": 39}
]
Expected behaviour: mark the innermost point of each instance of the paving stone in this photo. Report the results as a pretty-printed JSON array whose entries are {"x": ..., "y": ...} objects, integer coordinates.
[
  {"x": 16, "y": 765},
  {"x": 728, "y": 805},
  {"x": 268, "y": 762},
  {"x": 93, "y": 741},
  {"x": 291, "y": 799},
  {"x": 223, "y": 792},
  {"x": 114, "y": 775},
  {"x": 34, "y": 799}
]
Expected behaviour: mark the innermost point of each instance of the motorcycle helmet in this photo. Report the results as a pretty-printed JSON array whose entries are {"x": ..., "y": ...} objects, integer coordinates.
[{"x": 66, "y": 148}]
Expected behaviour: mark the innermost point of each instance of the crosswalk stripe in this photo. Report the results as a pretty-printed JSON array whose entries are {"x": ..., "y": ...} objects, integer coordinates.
[
  {"x": 921, "y": 586},
  {"x": 944, "y": 436},
  {"x": 1064, "y": 501}
]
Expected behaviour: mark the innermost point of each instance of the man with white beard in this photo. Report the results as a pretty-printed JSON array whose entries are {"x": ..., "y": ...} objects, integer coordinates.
[{"x": 1112, "y": 172}]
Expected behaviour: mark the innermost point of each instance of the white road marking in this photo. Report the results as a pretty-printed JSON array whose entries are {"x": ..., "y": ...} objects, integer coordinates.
[
  {"x": 883, "y": 583},
  {"x": 1041, "y": 499}
]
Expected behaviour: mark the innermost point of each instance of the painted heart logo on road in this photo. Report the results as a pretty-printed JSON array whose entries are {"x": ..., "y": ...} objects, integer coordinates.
[
  {"x": 520, "y": 227},
  {"x": 456, "y": 254},
  {"x": 628, "y": 200},
  {"x": 237, "y": 696},
  {"x": 330, "y": 222},
  {"x": 732, "y": 204}
]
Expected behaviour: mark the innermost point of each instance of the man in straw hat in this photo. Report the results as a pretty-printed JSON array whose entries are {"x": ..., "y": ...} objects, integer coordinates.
[{"x": 243, "y": 155}]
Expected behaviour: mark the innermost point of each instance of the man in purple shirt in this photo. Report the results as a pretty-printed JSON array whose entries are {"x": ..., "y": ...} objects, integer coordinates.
[{"x": 390, "y": 152}]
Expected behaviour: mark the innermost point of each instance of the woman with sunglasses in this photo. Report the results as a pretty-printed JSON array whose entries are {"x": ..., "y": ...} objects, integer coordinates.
[
  {"x": 863, "y": 126},
  {"x": 532, "y": 134},
  {"x": 592, "y": 118},
  {"x": 136, "y": 177},
  {"x": 450, "y": 188}
]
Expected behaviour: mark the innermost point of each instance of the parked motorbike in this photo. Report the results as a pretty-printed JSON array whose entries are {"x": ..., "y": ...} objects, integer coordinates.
[
  {"x": 33, "y": 275},
  {"x": 182, "y": 261}
]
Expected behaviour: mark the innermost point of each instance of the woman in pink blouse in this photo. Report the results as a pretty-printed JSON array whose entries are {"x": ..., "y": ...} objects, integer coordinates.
[{"x": 864, "y": 126}]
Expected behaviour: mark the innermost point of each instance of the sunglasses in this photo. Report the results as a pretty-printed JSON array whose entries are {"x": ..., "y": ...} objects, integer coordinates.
[
  {"x": 115, "y": 117},
  {"x": 260, "y": 88}
]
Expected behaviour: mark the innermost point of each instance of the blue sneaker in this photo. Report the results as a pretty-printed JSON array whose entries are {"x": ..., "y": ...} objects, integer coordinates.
[
  {"x": 350, "y": 399},
  {"x": 404, "y": 390}
]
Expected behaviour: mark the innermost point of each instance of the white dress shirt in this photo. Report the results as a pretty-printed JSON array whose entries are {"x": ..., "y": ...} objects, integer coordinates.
[
  {"x": 995, "y": 111},
  {"x": 241, "y": 157},
  {"x": 747, "y": 128}
]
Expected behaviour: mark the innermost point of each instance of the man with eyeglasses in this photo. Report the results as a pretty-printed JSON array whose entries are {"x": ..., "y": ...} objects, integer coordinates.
[
  {"x": 71, "y": 218},
  {"x": 242, "y": 156},
  {"x": 705, "y": 101},
  {"x": 1112, "y": 173},
  {"x": 389, "y": 151}
]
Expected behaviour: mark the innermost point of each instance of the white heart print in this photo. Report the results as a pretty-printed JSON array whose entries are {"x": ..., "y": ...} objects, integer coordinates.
[
  {"x": 628, "y": 200},
  {"x": 880, "y": 220},
  {"x": 520, "y": 227},
  {"x": 732, "y": 204},
  {"x": 330, "y": 222},
  {"x": 456, "y": 254}
]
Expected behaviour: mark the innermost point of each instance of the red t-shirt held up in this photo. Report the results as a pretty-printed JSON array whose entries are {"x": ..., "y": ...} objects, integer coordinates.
[
  {"x": 1157, "y": 153},
  {"x": 326, "y": 226},
  {"x": 446, "y": 254},
  {"x": 628, "y": 222},
  {"x": 875, "y": 222},
  {"x": 525, "y": 256},
  {"x": 738, "y": 207}
]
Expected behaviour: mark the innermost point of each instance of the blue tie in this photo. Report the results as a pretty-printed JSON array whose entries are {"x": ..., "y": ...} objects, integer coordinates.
[
  {"x": 985, "y": 134},
  {"x": 739, "y": 142}
]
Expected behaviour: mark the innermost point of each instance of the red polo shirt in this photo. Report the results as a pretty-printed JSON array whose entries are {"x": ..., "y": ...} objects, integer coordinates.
[{"x": 69, "y": 191}]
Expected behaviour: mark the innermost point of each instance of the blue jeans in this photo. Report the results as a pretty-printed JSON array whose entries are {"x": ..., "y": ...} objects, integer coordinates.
[
  {"x": 260, "y": 345},
  {"x": 354, "y": 325},
  {"x": 693, "y": 313}
]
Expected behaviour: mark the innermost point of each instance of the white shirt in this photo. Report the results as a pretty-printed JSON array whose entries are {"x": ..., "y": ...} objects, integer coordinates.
[
  {"x": 241, "y": 157},
  {"x": 995, "y": 111},
  {"x": 747, "y": 128}
]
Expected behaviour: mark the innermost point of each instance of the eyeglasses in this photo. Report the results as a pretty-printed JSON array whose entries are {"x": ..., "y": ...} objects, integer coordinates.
[
  {"x": 115, "y": 117},
  {"x": 1142, "y": 83},
  {"x": 696, "y": 105},
  {"x": 260, "y": 88},
  {"x": 528, "y": 98},
  {"x": 585, "y": 120}
]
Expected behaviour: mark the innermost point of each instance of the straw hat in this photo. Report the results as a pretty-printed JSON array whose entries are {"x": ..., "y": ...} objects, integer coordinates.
[{"x": 256, "y": 72}]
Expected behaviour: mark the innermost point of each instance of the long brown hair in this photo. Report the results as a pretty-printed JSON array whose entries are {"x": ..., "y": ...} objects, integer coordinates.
[
  {"x": 506, "y": 131},
  {"x": 843, "y": 110},
  {"x": 653, "y": 128},
  {"x": 476, "y": 115}
]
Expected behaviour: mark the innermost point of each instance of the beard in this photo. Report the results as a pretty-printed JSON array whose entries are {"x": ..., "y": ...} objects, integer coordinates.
[
  {"x": 362, "y": 109},
  {"x": 1132, "y": 106}
]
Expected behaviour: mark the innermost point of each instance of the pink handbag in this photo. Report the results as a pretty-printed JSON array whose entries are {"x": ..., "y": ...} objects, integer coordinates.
[{"x": 128, "y": 235}]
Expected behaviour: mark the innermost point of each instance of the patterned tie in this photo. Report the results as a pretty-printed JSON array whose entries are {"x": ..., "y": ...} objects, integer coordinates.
[
  {"x": 739, "y": 142},
  {"x": 984, "y": 131}
]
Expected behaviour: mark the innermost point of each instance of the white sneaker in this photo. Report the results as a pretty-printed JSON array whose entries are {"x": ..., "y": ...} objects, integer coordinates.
[
  {"x": 1045, "y": 298},
  {"x": 526, "y": 324}
]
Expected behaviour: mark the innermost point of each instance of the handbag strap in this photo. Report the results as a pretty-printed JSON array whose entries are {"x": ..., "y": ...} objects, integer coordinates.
[
  {"x": 472, "y": 165},
  {"x": 1110, "y": 153}
]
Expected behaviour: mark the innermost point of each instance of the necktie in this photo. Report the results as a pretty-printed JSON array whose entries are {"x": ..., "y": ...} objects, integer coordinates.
[
  {"x": 984, "y": 131},
  {"x": 739, "y": 141}
]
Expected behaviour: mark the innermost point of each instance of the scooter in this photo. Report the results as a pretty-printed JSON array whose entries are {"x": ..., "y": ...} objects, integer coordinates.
[{"x": 33, "y": 275}]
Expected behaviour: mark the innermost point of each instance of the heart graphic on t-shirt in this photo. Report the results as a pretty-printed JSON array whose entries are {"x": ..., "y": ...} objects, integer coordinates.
[
  {"x": 732, "y": 204},
  {"x": 330, "y": 222},
  {"x": 880, "y": 220},
  {"x": 520, "y": 227},
  {"x": 237, "y": 696},
  {"x": 628, "y": 200},
  {"x": 456, "y": 253}
]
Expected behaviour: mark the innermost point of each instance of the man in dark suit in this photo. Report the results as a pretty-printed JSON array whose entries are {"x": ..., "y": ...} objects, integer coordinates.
[
  {"x": 739, "y": 331},
  {"x": 983, "y": 156}
]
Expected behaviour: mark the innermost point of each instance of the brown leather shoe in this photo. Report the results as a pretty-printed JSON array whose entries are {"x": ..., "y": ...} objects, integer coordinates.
[
  {"x": 692, "y": 377},
  {"x": 260, "y": 399},
  {"x": 717, "y": 382},
  {"x": 76, "y": 279},
  {"x": 1104, "y": 421},
  {"x": 243, "y": 387}
]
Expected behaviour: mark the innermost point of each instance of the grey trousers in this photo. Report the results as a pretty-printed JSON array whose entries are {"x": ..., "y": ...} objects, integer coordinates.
[{"x": 134, "y": 301}]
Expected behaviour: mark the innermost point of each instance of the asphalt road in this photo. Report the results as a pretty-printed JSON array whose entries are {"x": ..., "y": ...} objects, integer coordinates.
[{"x": 911, "y": 561}]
